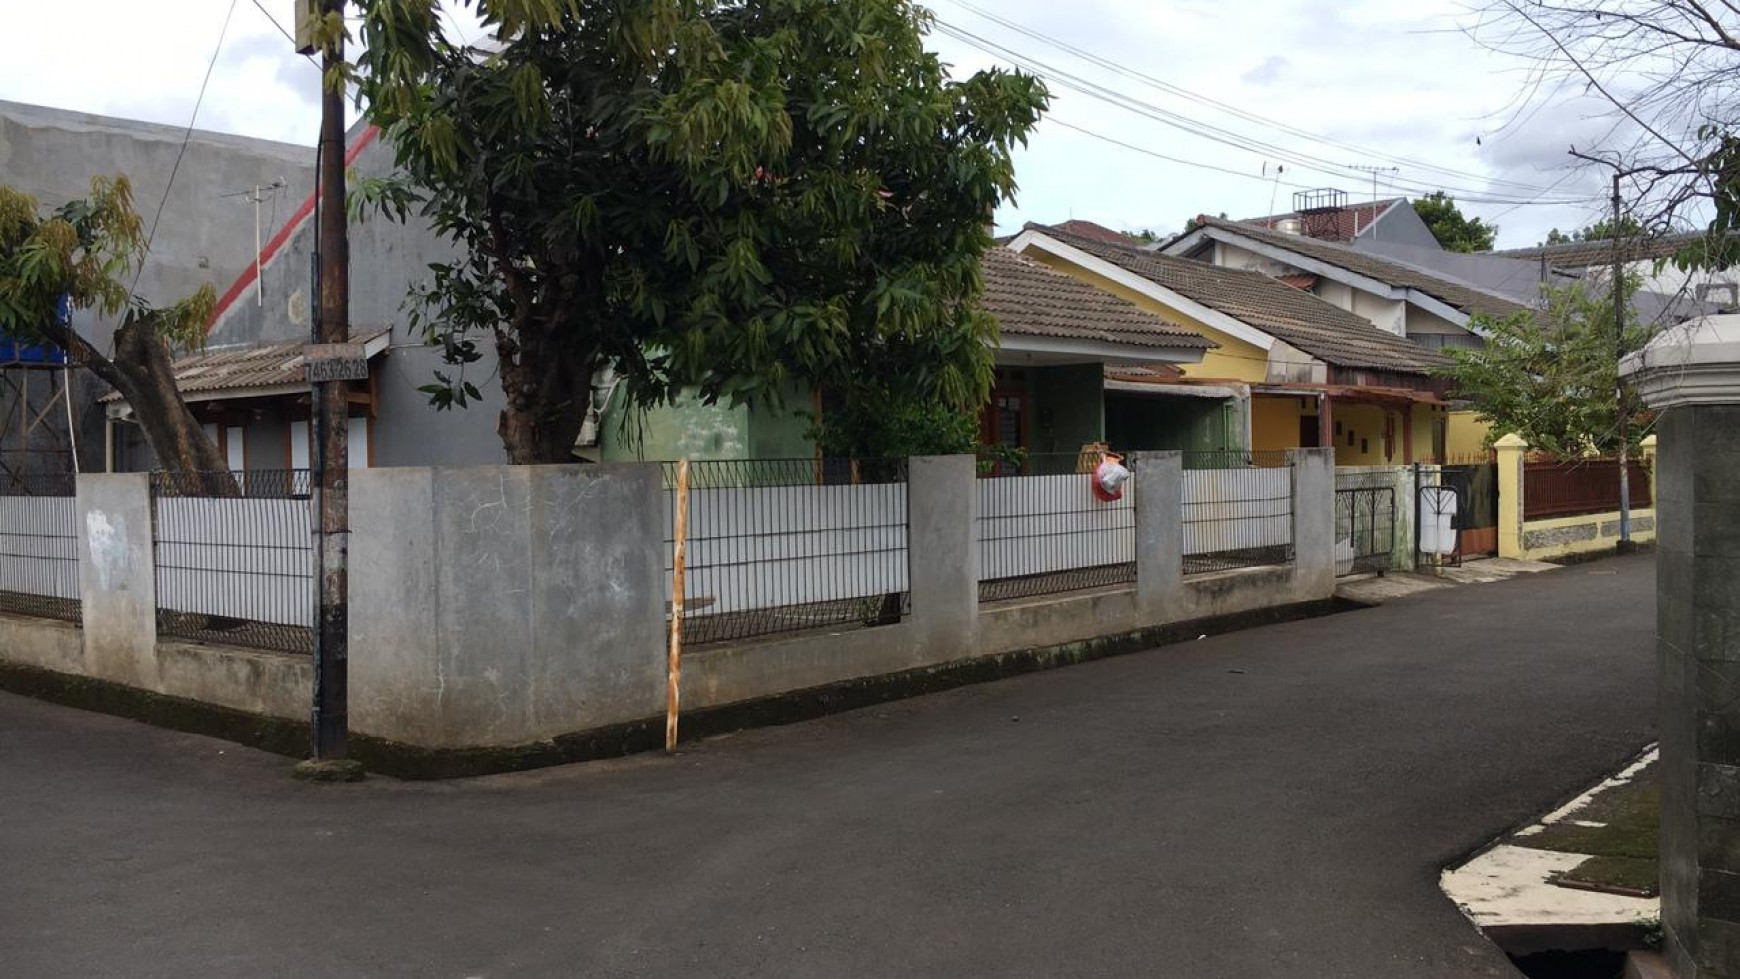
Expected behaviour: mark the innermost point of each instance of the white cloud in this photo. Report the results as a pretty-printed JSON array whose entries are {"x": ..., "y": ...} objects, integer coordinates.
[{"x": 1390, "y": 78}]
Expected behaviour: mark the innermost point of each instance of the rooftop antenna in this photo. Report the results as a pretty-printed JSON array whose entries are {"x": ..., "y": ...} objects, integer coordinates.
[
  {"x": 1374, "y": 171},
  {"x": 1276, "y": 187},
  {"x": 257, "y": 195}
]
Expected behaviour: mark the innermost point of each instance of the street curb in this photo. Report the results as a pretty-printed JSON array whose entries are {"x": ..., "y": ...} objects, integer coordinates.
[{"x": 291, "y": 738}]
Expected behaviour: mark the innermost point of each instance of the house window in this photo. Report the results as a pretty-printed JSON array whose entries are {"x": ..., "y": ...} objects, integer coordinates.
[
  {"x": 231, "y": 442},
  {"x": 301, "y": 446}
]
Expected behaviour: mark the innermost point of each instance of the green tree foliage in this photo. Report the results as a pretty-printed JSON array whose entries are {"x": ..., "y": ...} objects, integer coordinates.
[
  {"x": 1549, "y": 375},
  {"x": 1603, "y": 230},
  {"x": 1454, "y": 231},
  {"x": 718, "y": 196},
  {"x": 83, "y": 251}
]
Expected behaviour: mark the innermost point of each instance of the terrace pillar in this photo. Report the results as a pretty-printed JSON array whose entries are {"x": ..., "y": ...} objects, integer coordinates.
[
  {"x": 1159, "y": 486},
  {"x": 1511, "y": 450},
  {"x": 1692, "y": 376},
  {"x": 118, "y": 578}
]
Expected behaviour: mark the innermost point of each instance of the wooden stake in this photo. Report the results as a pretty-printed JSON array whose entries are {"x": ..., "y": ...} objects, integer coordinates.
[{"x": 679, "y": 555}]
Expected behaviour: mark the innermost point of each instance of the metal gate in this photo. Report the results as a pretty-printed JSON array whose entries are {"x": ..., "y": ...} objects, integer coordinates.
[
  {"x": 1440, "y": 501},
  {"x": 1365, "y": 529}
]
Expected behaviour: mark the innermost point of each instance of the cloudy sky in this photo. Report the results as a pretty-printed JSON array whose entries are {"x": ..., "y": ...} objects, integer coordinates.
[{"x": 1323, "y": 85}]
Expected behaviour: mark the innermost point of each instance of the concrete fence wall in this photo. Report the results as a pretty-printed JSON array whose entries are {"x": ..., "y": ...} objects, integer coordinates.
[
  {"x": 505, "y": 605},
  {"x": 1557, "y": 537}
]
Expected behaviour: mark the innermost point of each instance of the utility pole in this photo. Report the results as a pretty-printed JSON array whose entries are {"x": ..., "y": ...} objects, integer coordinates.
[
  {"x": 331, "y": 361},
  {"x": 1625, "y": 545}
]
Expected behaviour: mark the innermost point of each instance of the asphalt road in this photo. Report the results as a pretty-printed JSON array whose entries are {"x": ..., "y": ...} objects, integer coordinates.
[{"x": 1276, "y": 802}]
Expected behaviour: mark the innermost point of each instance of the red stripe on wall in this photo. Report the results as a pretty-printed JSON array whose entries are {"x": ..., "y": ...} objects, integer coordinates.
[{"x": 278, "y": 241}]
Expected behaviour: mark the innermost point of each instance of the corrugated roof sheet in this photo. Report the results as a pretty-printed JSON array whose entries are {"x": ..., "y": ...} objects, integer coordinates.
[
  {"x": 1324, "y": 331},
  {"x": 1590, "y": 254},
  {"x": 1027, "y": 298},
  {"x": 1461, "y": 295},
  {"x": 241, "y": 368}
]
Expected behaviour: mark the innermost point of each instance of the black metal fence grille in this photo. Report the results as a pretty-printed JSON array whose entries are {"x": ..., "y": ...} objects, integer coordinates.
[
  {"x": 1365, "y": 528},
  {"x": 39, "y": 545},
  {"x": 1042, "y": 529},
  {"x": 235, "y": 558},
  {"x": 1238, "y": 510},
  {"x": 790, "y": 545}
]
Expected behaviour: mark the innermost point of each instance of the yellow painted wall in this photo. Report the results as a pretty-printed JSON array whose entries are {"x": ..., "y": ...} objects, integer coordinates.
[
  {"x": 1467, "y": 434},
  {"x": 1274, "y": 423},
  {"x": 1232, "y": 360}
]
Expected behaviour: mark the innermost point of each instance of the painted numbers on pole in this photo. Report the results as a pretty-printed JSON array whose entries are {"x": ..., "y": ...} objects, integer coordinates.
[{"x": 335, "y": 362}]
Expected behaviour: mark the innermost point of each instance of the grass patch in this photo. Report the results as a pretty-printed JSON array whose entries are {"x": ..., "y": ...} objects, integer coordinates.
[
  {"x": 1633, "y": 876},
  {"x": 1631, "y": 824}
]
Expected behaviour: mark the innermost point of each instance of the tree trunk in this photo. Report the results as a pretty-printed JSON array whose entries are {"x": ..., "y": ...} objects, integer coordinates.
[
  {"x": 547, "y": 399},
  {"x": 143, "y": 372}
]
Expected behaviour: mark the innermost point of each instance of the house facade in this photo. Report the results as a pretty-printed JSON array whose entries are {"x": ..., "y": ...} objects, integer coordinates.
[{"x": 1303, "y": 371}]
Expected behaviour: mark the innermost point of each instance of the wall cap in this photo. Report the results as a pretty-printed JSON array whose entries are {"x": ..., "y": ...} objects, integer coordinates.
[
  {"x": 1696, "y": 362},
  {"x": 1511, "y": 441}
]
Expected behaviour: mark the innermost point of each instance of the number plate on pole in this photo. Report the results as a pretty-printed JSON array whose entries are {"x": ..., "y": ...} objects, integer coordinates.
[{"x": 335, "y": 362}]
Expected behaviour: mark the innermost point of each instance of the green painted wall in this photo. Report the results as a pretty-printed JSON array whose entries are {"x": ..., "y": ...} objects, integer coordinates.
[
  {"x": 1138, "y": 422},
  {"x": 686, "y": 428},
  {"x": 782, "y": 431},
  {"x": 695, "y": 430},
  {"x": 1068, "y": 407}
]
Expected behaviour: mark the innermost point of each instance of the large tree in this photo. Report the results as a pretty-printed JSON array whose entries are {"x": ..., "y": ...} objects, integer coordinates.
[
  {"x": 77, "y": 257},
  {"x": 1454, "y": 231},
  {"x": 720, "y": 196},
  {"x": 1549, "y": 374}
]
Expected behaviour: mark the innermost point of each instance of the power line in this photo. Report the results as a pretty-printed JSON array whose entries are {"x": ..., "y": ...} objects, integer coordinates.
[
  {"x": 1200, "y": 129},
  {"x": 1210, "y": 102},
  {"x": 186, "y": 136}
]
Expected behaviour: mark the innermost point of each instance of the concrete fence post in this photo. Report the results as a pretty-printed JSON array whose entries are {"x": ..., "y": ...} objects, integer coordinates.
[
  {"x": 118, "y": 578},
  {"x": 1511, "y": 450},
  {"x": 1313, "y": 521},
  {"x": 942, "y": 504},
  {"x": 1691, "y": 375},
  {"x": 1159, "y": 487}
]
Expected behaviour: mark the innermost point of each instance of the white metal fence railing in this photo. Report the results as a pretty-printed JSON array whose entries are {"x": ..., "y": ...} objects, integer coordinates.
[
  {"x": 39, "y": 558},
  {"x": 1238, "y": 510}
]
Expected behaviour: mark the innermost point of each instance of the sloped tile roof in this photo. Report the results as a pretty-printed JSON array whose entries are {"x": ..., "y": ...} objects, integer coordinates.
[
  {"x": 1396, "y": 274},
  {"x": 1029, "y": 299},
  {"x": 1300, "y": 319},
  {"x": 1342, "y": 225},
  {"x": 1088, "y": 229},
  {"x": 243, "y": 368},
  {"x": 1594, "y": 254}
]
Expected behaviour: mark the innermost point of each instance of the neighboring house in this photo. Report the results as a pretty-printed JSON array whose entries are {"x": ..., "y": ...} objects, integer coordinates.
[
  {"x": 1326, "y": 216},
  {"x": 205, "y": 235},
  {"x": 1646, "y": 258},
  {"x": 1307, "y": 372},
  {"x": 246, "y": 387}
]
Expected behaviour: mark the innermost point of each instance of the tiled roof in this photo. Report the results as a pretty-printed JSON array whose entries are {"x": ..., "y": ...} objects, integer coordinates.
[
  {"x": 1324, "y": 331},
  {"x": 1144, "y": 373},
  {"x": 1098, "y": 232},
  {"x": 1343, "y": 224},
  {"x": 1029, "y": 299},
  {"x": 245, "y": 368},
  {"x": 1463, "y": 296},
  {"x": 1588, "y": 254}
]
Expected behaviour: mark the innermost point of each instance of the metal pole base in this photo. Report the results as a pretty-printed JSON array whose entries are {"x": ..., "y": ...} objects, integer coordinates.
[
  {"x": 1625, "y": 547},
  {"x": 329, "y": 770}
]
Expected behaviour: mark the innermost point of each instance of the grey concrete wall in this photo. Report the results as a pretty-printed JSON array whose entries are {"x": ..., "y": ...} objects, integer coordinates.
[
  {"x": 387, "y": 260},
  {"x": 1698, "y": 649},
  {"x": 497, "y": 606},
  {"x": 202, "y": 238},
  {"x": 503, "y": 605}
]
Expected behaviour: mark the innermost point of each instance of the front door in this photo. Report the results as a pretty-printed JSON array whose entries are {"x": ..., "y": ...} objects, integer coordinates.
[{"x": 1003, "y": 422}]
